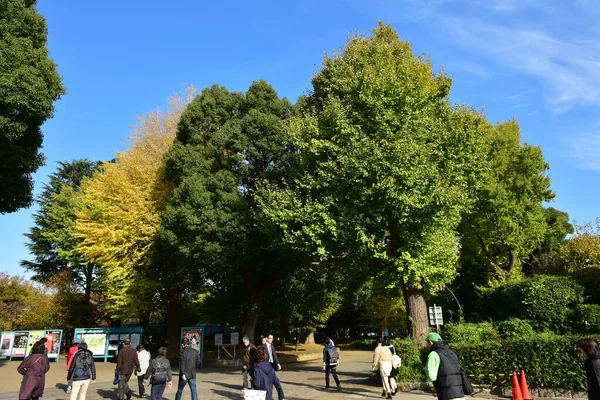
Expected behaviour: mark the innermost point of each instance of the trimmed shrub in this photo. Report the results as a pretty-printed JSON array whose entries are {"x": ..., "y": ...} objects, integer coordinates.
[
  {"x": 550, "y": 361},
  {"x": 364, "y": 344},
  {"x": 589, "y": 278},
  {"x": 514, "y": 328},
  {"x": 469, "y": 332},
  {"x": 544, "y": 300},
  {"x": 413, "y": 361},
  {"x": 586, "y": 318}
]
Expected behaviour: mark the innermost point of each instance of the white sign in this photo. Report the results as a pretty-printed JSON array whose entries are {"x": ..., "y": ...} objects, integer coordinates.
[
  {"x": 235, "y": 338},
  {"x": 218, "y": 339},
  {"x": 435, "y": 316}
]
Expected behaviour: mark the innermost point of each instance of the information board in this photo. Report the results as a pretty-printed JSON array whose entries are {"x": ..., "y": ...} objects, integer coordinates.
[
  {"x": 195, "y": 335},
  {"x": 235, "y": 338},
  {"x": 34, "y": 336},
  {"x": 20, "y": 344},
  {"x": 6, "y": 343},
  {"x": 104, "y": 342}
]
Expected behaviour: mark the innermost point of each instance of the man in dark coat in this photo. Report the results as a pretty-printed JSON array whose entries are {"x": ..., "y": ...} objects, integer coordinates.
[
  {"x": 127, "y": 361},
  {"x": 187, "y": 370},
  {"x": 249, "y": 362},
  {"x": 274, "y": 360},
  {"x": 443, "y": 369}
]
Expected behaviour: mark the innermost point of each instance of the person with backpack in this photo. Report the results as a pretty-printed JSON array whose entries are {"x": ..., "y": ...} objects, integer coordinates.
[
  {"x": 81, "y": 371},
  {"x": 331, "y": 359},
  {"x": 160, "y": 375}
]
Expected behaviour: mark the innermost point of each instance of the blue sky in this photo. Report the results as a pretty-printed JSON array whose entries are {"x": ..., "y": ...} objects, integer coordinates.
[{"x": 535, "y": 60}]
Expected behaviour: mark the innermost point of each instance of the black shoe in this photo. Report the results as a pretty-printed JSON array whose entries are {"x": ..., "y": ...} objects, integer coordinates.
[
  {"x": 339, "y": 387},
  {"x": 383, "y": 394},
  {"x": 326, "y": 387},
  {"x": 389, "y": 396}
]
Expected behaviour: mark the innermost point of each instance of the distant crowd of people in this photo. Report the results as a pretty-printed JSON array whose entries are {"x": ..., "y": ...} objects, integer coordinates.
[{"x": 260, "y": 364}]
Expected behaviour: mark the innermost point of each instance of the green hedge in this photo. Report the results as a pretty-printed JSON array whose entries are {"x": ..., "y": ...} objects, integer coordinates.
[
  {"x": 364, "y": 344},
  {"x": 549, "y": 361},
  {"x": 467, "y": 332},
  {"x": 413, "y": 361}
]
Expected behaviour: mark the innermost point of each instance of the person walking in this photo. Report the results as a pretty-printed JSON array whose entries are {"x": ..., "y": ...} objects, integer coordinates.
[
  {"x": 187, "y": 370},
  {"x": 81, "y": 372},
  {"x": 34, "y": 368},
  {"x": 274, "y": 360},
  {"x": 160, "y": 375},
  {"x": 395, "y": 364},
  {"x": 382, "y": 359},
  {"x": 443, "y": 369},
  {"x": 72, "y": 350},
  {"x": 589, "y": 349},
  {"x": 331, "y": 359},
  {"x": 127, "y": 362},
  {"x": 249, "y": 362},
  {"x": 264, "y": 374},
  {"x": 144, "y": 359}
]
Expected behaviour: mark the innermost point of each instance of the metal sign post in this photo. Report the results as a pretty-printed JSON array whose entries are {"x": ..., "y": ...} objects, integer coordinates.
[{"x": 435, "y": 317}]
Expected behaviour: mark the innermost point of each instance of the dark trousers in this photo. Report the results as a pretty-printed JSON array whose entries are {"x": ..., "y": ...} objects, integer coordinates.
[
  {"x": 123, "y": 389},
  {"x": 141, "y": 389},
  {"x": 332, "y": 369},
  {"x": 157, "y": 391},
  {"x": 278, "y": 387}
]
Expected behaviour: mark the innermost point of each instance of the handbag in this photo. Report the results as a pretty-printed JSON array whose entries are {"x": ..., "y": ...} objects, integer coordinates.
[
  {"x": 466, "y": 383},
  {"x": 117, "y": 378},
  {"x": 253, "y": 394}
]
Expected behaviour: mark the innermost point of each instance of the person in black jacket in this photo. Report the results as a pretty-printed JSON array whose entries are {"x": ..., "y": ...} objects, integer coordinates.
[
  {"x": 443, "y": 369},
  {"x": 589, "y": 349},
  {"x": 264, "y": 377},
  {"x": 187, "y": 370},
  {"x": 81, "y": 371}
]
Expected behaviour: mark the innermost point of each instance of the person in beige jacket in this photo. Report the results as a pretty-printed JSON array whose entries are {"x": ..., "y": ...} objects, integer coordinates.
[{"x": 382, "y": 359}]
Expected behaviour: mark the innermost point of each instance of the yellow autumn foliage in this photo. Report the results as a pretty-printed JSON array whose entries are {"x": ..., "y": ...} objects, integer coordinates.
[{"x": 121, "y": 210}]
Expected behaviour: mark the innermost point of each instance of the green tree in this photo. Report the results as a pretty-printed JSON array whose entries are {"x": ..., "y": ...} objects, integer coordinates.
[
  {"x": 50, "y": 239},
  {"x": 385, "y": 166},
  {"x": 29, "y": 84},
  {"x": 226, "y": 143}
]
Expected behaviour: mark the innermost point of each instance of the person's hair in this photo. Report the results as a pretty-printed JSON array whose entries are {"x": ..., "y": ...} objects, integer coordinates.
[
  {"x": 162, "y": 352},
  {"x": 245, "y": 338},
  {"x": 185, "y": 341},
  {"x": 261, "y": 353},
  {"x": 380, "y": 340},
  {"x": 327, "y": 340},
  {"x": 38, "y": 348},
  {"x": 82, "y": 346},
  {"x": 385, "y": 341},
  {"x": 589, "y": 347},
  {"x": 127, "y": 342},
  {"x": 139, "y": 347}
]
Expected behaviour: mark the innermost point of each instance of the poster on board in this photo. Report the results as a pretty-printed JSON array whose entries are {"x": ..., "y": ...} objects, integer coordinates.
[
  {"x": 6, "y": 343},
  {"x": 20, "y": 344},
  {"x": 34, "y": 336},
  {"x": 53, "y": 343},
  {"x": 195, "y": 337},
  {"x": 96, "y": 342}
]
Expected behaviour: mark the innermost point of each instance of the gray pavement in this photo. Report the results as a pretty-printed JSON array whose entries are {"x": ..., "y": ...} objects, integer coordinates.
[{"x": 299, "y": 381}]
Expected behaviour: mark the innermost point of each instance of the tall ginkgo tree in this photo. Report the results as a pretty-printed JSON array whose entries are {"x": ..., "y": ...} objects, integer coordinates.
[{"x": 120, "y": 211}]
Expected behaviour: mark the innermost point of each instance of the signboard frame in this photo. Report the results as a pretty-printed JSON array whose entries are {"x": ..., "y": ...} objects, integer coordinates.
[
  {"x": 112, "y": 338},
  {"x": 198, "y": 333},
  {"x": 30, "y": 337}
]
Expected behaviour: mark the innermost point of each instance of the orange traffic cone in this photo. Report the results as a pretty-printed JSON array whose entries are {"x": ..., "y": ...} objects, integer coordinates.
[
  {"x": 516, "y": 389},
  {"x": 524, "y": 388}
]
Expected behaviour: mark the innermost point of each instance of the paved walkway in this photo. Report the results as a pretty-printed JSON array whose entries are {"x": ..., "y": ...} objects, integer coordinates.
[{"x": 300, "y": 381}]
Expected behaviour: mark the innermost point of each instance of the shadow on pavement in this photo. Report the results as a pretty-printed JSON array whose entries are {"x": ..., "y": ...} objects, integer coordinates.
[
  {"x": 226, "y": 385},
  {"x": 226, "y": 395},
  {"x": 107, "y": 393}
]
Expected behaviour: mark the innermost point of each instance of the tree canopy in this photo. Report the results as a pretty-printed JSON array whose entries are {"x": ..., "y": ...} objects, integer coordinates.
[{"x": 29, "y": 85}]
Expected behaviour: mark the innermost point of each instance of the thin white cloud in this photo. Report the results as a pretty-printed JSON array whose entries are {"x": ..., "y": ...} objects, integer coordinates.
[
  {"x": 585, "y": 149},
  {"x": 472, "y": 68}
]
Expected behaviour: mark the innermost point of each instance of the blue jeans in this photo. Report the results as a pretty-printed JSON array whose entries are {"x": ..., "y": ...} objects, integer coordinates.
[
  {"x": 181, "y": 386},
  {"x": 157, "y": 391}
]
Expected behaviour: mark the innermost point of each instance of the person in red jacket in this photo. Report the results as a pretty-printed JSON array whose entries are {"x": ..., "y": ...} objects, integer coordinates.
[{"x": 72, "y": 350}]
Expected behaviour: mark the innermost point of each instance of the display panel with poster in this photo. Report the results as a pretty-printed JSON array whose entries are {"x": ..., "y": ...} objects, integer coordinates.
[
  {"x": 53, "y": 343},
  {"x": 6, "y": 343},
  {"x": 96, "y": 342},
  {"x": 34, "y": 336},
  {"x": 194, "y": 334},
  {"x": 20, "y": 344}
]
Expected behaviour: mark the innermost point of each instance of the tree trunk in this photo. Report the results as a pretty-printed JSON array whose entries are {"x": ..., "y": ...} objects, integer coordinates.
[
  {"x": 416, "y": 313},
  {"x": 89, "y": 276},
  {"x": 250, "y": 320},
  {"x": 310, "y": 338},
  {"x": 173, "y": 327}
]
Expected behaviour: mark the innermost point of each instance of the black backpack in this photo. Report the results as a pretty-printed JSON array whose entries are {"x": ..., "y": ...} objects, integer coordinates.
[
  {"x": 159, "y": 376},
  {"x": 332, "y": 355}
]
